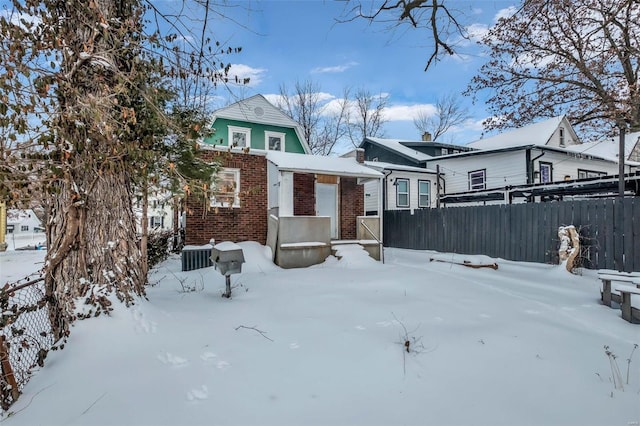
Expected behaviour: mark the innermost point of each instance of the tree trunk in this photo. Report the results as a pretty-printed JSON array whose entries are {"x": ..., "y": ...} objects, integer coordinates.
[{"x": 93, "y": 250}]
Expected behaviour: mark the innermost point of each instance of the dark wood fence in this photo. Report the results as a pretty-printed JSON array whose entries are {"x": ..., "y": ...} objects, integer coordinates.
[{"x": 609, "y": 230}]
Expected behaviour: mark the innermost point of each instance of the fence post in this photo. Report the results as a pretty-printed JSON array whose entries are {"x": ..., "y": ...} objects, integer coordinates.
[{"x": 7, "y": 371}]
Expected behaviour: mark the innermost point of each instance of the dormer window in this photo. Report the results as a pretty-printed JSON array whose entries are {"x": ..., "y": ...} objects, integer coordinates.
[
  {"x": 274, "y": 141},
  {"x": 239, "y": 137}
]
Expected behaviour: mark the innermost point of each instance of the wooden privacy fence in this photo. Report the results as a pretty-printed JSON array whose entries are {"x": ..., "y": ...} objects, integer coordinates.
[{"x": 609, "y": 231}]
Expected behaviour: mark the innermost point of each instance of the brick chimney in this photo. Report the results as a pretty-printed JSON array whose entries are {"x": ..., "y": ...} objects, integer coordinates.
[
  {"x": 360, "y": 155},
  {"x": 426, "y": 137}
]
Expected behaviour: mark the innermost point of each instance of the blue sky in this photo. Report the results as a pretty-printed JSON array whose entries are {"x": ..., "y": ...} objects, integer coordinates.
[{"x": 289, "y": 41}]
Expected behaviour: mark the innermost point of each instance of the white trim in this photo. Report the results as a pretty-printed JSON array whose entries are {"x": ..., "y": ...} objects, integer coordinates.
[
  {"x": 243, "y": 130},
  {"x": 268, "y": 134}
]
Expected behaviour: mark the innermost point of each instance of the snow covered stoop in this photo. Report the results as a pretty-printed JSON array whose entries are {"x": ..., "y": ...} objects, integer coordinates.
[{"x": 363, "y": 248}]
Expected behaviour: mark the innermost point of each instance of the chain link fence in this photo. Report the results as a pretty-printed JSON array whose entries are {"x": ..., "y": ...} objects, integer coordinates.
[{"x": 25, "y": 334}]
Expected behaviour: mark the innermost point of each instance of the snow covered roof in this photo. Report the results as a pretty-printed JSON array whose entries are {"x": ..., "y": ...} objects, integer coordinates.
[
  {"x": 534, "y": 134},
  {"x": 305, "y": 163},
  {"x": 257, "y": 109},
  {"x": 608, "y": 148},
  {"x": 17, "y": 216},
  {"x": 381, "y": 165},
  {"x": 397, "y": 146}
]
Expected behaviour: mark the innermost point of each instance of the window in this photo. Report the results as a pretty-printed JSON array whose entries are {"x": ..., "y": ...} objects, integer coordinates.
[
  {"x": 424, "y": 192},
  {"x": 24, "y": 227},
  {"x": 239, "y": 136},
  {"x": 445, "y": 151},
  {"x": 584, "y": 174},
  {"x": 477, "y": 180},
  {"x": 156, "y": 222},
  {"x": 274, "y": 141},
  {"x": 9, "y": 229},
  {"x": 561, "y": 134},
  {"x": 402, "y": 192},
  {"x": 546, "y": 172},
  {"x": 226, "y": 188}
]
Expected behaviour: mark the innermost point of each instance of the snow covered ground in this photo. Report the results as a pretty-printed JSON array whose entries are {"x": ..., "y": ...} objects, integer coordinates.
[{"x": 520, "y": 345}]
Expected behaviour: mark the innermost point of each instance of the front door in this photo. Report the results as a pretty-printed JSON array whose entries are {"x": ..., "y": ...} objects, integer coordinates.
[{"x": 327, "y": 204}]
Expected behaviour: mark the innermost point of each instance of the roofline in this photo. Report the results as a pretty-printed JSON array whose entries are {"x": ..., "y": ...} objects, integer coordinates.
[
  {"x": 520, "y": 148},
  {"x": 366, "y": 139},
  {"x": 294, "y": 125},
  {"x": 396, "y": 169}
]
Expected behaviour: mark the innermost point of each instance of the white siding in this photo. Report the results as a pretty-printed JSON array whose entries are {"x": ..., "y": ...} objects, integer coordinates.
[
  {"x": 413, "y": 178},
  {"x": 502, "y": 169},
  {"x": 371, "y": 196},
  {"x": 566, "y": 165}
]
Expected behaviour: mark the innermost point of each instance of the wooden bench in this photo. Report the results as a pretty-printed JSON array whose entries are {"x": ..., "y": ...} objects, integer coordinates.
[{"x": 609, "y": 293}]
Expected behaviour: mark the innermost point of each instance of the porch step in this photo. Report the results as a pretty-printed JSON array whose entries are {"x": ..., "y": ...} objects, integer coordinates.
[{"x": 354, "y": 247}]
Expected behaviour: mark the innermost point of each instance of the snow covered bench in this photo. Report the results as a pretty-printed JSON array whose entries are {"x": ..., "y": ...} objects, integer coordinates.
[
  {"x": 630, "y": 308},
  {"x": 613, "y": 282}
]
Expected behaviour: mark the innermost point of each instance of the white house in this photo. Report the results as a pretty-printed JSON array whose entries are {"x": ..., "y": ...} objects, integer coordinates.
[
  {"x": 403, "y": 188},
  {"x": 24, "y": 229},
  {"x": 542, "y": 153}
]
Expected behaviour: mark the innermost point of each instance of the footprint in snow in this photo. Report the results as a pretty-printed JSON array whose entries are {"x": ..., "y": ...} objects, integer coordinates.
[
  {"x": 142, "y": 325},
  {"x": 222, "y": 365},
  {"x": 198, "y": 394},
  {"x": 172, "y": 360},
  {"x": 208, "y": 356}
]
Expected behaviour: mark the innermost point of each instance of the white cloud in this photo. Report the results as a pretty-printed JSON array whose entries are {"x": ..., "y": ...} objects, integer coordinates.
[
  {"x": 242, "y": 71},
  {"x": 407, "y": 112},
  {"x": 477, "y": 31},
  {"x": 334, "y": 69},
  {"x": 505, "y": 13}
]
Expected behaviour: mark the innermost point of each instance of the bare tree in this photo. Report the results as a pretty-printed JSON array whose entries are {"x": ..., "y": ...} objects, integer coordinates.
[
  {"x": 323, "y": 118},
  {"x": 366, "y": 116},
  {"x": 303, "y": 105},
  {"x": 581, "y": 58},
  {"x": 449, "y": 113},
  {"x": 439, "y": 20}
]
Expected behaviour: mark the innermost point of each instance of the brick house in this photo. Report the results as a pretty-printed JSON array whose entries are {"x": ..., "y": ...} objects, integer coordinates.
[{"x": 272, "y": 191}]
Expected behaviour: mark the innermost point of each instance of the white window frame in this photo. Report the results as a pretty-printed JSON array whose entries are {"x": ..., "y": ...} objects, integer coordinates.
[
  {"x": 561, "y": 136},
  {"x": 242, "y": 130},
  {"x": 222, "y": 199},
  {"x": 398, "y": 193},
  {"x": 268, "y": 134},
  {"x": 428, "y": 193},
  {"x": 586, "y": 174},
  {"x": 478, "y": 173}
]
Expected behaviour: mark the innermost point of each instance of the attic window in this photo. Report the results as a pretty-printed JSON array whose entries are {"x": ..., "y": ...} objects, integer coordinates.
[
  {"x": 561, "y": 134},
  {"x": 239, "y": 137}
]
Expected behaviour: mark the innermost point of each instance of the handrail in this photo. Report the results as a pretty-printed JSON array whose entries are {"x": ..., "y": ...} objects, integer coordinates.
[{"x": 364, "y": 225}]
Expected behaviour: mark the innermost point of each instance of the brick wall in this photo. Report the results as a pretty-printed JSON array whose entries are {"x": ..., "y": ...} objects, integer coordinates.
[
  {"x": 247, "y": 223},
  {"x": 351, "y": 206},
  {"x": 304, "y": 197}
]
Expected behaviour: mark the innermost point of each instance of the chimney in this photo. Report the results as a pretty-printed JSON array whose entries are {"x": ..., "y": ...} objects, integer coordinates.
[
  {"x": 426, "y": 137},
  {"x": 360, "y": 155}
]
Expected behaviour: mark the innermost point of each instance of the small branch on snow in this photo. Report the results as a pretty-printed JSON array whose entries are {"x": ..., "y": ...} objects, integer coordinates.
[{"x": 262, "y": 333}]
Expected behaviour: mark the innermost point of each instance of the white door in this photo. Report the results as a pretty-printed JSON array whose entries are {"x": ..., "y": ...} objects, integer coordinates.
[{"x": 327, "y": 204}]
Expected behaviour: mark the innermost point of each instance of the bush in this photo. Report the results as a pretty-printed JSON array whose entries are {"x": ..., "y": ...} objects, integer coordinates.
[{"x": 158, "y": 246}]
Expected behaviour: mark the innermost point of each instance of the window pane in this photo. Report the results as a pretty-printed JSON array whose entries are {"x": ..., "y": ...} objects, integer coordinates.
[
  {"x": 403, "y": 199},
  {"x": 424, "y": 188},
  {"x": 275, "y": 143},
  {"x": 402, "y": 185},
  {"x": 239, "y": 139}
]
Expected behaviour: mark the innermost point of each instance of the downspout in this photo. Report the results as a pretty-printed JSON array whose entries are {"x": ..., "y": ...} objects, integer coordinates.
[{"x": 384, "y": 191}]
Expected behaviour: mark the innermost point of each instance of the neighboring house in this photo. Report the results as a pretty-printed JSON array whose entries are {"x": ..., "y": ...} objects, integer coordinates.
[
  {"x": 23, "y": 222},
  {"x": 404, "y": 188},
  {"x": 159, "y": 212},
  {"x": 407, "y": 183},
  {"x": 609, "y": 148},
  {"x": 270, "y": 189},
  {"x": 408, "y": 153},
  {"x": 24, "y": 229},
  {"x": 541, "y": 153}
]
